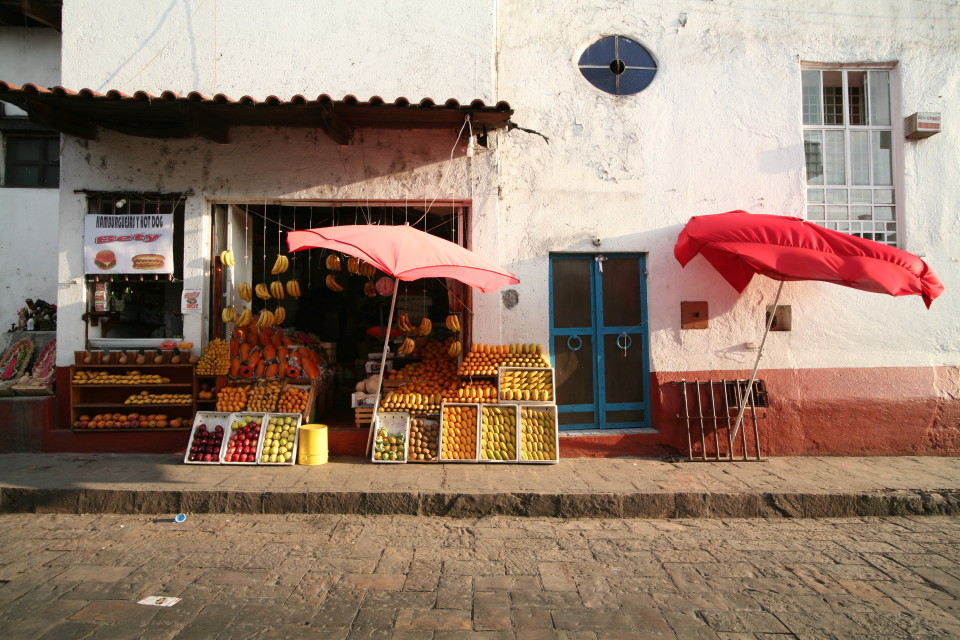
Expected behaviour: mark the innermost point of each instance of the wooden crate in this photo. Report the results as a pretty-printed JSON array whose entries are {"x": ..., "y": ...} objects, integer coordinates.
[{"x": 362, "y": 417}]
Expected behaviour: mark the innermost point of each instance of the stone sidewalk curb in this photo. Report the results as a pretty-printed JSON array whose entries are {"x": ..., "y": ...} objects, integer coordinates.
[{"x": 468, "y": 505}]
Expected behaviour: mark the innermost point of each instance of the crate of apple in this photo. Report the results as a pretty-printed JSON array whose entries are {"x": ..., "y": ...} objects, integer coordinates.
[
  {"x": 206, "y": 438},
  {"x": 241, "y": 447}
]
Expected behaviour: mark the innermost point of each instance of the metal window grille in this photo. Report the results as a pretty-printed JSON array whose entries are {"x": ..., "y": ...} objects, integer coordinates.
[{"x": 709, "y": 411}]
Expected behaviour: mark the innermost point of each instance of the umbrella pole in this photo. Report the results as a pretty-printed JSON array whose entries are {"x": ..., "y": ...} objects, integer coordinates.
[
  {"x": 753, "y": 376},
  {"x": 383, "y": 364}
]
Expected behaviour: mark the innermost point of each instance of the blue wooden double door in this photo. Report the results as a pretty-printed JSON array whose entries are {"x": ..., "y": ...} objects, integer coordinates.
[{"x": 600, "y": 340}]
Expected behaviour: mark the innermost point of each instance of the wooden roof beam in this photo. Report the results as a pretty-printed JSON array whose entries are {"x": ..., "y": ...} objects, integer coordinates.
[
  {"x": 42, "y": 13},
  {"x": 201, "y": 123},
  {"x": 334, "y": 126},
  {"x": 48, "y": 116}
]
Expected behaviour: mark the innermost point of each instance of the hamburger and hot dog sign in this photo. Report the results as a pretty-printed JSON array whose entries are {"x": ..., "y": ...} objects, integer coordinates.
[{"x": 128, "y": 244}]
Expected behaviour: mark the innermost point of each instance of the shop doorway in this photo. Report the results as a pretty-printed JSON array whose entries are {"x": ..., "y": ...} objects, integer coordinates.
[
  {"x": 345, "y": 318},
  {"x": 600, "y": 340}
]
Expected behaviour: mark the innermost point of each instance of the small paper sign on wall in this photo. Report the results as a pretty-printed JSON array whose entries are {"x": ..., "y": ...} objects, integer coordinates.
[
  {"x": 121, "y": 244},
  {"x": 190, "y": 302}
]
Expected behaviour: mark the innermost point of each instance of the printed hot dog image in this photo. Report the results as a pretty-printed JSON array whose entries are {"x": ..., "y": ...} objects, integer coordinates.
[
  {"x": 105, "y": 260},
  {"x": 148, "y": 261}
]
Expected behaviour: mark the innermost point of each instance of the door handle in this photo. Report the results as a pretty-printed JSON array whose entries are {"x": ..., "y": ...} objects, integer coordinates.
[{"x": 600, "y": 259}]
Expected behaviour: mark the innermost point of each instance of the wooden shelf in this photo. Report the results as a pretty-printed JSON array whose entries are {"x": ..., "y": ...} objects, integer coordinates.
[
  {"x": 131, "y": 406},
  {"x": 144, "y": 429},
  {"x": 154, "y": 385}
]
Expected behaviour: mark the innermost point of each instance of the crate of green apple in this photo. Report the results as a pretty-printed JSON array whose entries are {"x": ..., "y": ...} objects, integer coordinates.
[
  {"x": 206, "y": 437},
  {"x": 278, "y": 446},
  {"x": 243, "y": 438}
]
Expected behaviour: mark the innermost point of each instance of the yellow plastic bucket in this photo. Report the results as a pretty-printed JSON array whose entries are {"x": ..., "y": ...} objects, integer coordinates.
[{"x": 312, "y": 448}]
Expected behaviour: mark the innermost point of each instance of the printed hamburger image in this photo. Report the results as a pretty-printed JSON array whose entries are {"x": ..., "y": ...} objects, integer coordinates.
[
  {"x": 105, "y": 260},
  {"x": 148, "y": 261}
]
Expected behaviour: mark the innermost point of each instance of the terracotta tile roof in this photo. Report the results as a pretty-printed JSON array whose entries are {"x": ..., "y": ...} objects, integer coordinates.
[{"x": 171, "y": 115}]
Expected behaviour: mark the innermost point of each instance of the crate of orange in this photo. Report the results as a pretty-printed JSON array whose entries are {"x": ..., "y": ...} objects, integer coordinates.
[{"x": 459, "y": 430}]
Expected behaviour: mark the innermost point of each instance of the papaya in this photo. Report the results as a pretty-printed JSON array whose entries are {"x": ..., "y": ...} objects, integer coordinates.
[
  {"x": 234, "y": 347},
  {"x": 252, "y": 337},
  {"x": 260, "y": 368},
  {"x": 254, "y": 358},
  {"x": 283, "y": 354},
  {"x": 244, "y": 351},
  {"x": 269, "y": 352},
  {"x": 271, "y": 370},
  {"x": 266, "y": 334},
  {"x": 310, "y": 368},
  {"x": 235, "y": 365}
]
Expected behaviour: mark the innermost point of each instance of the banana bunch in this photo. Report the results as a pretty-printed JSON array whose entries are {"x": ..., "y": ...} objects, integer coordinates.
[
  {"x": 276, "y": 289},
  {"x": 279, "y": 315},
  {"x": 353, "y": 265},
  {"x": 367, "y": 269},
  {"x": 281, "y": 265},
  {"x": 333, "y": 262},
  {"x": 369, "y": 289},
  {"x": 244, "y": 291},
  {"x": 226, "y": 258},
  {"x": 245, "y": 318},
  {"x": 403, "y": 323},
  {"x": 332, "y": 283},
  {"x": 453, "y": 322},
  {"x": 262, "y": 292},
  {"x": 293, "y": 288},
  {"x": 229, "y": 314},
  {"x": 407, "y": 347},
  {"x": 265, "y": 319},
  {"x": 426, "y": 326},
  {"x": 454, "y": 349}
]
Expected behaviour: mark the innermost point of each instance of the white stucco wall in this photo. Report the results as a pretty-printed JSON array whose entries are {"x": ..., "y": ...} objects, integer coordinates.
[
  {"x": 28, "y": 217},
  {"x": 720, "y": 129},
  {"x": 387, "y": 48}
]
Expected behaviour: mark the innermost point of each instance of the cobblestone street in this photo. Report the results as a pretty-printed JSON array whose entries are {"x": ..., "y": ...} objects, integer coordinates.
[{"x": 348, "y": 576}]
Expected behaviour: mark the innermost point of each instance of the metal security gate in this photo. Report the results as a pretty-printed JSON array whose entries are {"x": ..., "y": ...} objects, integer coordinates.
[
  {"x": 709, "y": 410},
  {"x": 599, "y": 340}
]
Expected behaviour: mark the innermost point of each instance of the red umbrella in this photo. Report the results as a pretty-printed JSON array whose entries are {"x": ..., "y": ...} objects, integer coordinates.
[
  {"x": 406, "y": 254},
  {"x": 739, "y": 244}
]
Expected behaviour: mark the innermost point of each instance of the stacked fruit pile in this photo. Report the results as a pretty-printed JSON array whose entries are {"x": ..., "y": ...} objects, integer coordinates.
[
  {"x": 459, "y": 433},
  {"x": 206, "y": 444},
  {"x": 293, "y": 400},
  {"x": 486, "y": 359},
  {"x": 473, "y": 391},
  {"x": 389, "y": 446},
  {"x": 127, "y": 421},
  {"x": 527, "y": 385},
  {"x": 130, "y": 377},
  {"x": 498, "y": 433},
  {"x": 145, "y": 397},
  {"x": 232, "y": 398},
  {"x": 265, "y": 352},
  {"x": 244, "y": 438},
  {"x": 264, "y": 397},
  {"x": 423, "y": 439},
  {"x": 279, "y": 440},
  {"x": 215, "y": 360},
  {"x": 538, "y": 432}
]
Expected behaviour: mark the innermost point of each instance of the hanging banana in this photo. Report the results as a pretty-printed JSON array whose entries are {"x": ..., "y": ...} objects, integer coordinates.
[
  {"x": 407, "y": 347},
  {"x": 333, "y": 262},
  {"x": 245, "y": 317},
  {"x": 453, "y": 322},
  {"x": 229, "y": 314},
  {"x": 226, "y": 258},
  {"x": 293, "y": 288},
  {"x": 281, "y": 265},
  {"x": 426, "y": 326},
  {"x": 332, "y": 283},
  {"x": 279, "y": 315},
  {"x": 262, "y": 292},
  {"x": 455, "y": 348},
  {"x": 353, "y": 265},
  {"x": 276, "y": 289},
  {"x": 369, "y": 289},
  {"x": 265, "y": 319},
  {"x": 245, "y": 292}
]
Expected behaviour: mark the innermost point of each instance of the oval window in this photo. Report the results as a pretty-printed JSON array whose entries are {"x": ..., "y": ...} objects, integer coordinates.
[{"x": 618, "y": 65}]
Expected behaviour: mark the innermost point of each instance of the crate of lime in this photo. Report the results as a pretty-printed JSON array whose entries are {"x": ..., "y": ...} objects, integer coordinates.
[
  {"x": 392, "y": 431},
  {"x": 278, "y": 446}
]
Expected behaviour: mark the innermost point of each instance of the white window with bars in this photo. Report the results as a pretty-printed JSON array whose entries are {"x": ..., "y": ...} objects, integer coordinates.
[{"x": 851, "y": 151}]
